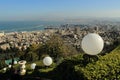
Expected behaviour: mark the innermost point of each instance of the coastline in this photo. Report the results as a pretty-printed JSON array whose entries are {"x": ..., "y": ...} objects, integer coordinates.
[{"x": 12, "y": 32}]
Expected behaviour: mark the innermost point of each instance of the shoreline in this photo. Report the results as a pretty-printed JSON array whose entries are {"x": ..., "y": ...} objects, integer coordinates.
[{"x": 13, "y": 32}]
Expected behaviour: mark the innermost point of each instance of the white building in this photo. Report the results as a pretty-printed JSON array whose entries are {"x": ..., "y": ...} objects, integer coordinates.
[{"x": 2, "y": 34}]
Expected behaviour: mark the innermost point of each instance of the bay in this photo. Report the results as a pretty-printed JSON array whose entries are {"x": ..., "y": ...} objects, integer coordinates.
[{"x": 17, "y": 26}]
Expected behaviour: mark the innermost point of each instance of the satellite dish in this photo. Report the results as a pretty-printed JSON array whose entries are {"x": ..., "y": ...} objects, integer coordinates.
[{"x": 92, "y": 44}]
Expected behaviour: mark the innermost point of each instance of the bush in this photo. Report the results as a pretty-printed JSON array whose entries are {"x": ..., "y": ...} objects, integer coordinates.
[
  {"x": 78, "y": 68},
  {"x": 30, "y": 54},
  {"x": 108, "y": 67},
  {"x": 65, "y": 70},
  {"x": 2, "y": 64}
]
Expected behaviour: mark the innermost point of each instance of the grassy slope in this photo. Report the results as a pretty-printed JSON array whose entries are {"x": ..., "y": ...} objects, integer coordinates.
[{"x": 106, "y": 67}]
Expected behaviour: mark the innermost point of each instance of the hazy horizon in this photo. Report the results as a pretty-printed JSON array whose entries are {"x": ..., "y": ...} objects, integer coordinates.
[{"x": 58, "y": 10}]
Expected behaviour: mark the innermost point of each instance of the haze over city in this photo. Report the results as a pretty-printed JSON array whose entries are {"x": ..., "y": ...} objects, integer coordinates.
[{"x": 57, "y": 10}]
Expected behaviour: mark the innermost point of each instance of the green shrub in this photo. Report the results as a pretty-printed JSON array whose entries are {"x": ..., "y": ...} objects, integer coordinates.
[
  {"x": 2, "y": 64},
  {"x": 106, "y": 68},
  {"x": 65, "y": 70}
]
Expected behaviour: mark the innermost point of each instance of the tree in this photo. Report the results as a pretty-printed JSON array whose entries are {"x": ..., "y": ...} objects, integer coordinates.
[
  {"x": 55, "y": 47},
  {"x": 30, "y": 53},
  {"x": 31, "y": 56},
  {"x": 2, "y": 64}
]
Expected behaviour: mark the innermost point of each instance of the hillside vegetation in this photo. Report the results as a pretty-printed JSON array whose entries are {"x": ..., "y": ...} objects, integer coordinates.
[
  {"x": 68, "y": 64},
  {"x": 107, "y": 67}
]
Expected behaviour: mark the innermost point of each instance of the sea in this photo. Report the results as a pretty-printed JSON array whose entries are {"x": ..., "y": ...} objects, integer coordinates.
[{"x": 18, "y": 26}]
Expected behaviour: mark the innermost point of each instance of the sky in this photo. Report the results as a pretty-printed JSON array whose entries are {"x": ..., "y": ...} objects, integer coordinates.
[{"x": 23, "y": 10}]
